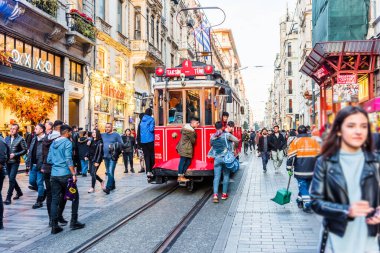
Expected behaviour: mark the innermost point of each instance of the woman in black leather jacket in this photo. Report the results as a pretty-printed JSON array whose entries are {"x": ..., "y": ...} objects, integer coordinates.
[
  {"x": 345, "y": 186},
  {"x": 95, "y": 156}
]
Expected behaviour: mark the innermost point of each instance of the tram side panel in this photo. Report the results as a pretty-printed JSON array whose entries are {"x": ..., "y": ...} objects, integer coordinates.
[{"x": 167, "y": 158}]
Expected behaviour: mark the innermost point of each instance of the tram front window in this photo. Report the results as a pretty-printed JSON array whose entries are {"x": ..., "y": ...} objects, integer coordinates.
[
  {"x": 208, "y": 106},
  {"x": 192, "y": 105},
  {"x": 175, "y": 107}
]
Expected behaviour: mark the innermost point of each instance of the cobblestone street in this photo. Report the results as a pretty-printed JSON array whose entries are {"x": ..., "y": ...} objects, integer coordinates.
[{"x": 257, "y": 224}]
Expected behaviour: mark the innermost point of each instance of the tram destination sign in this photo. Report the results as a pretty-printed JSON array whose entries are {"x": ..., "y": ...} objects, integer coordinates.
[{"x": 187, "y": 69}]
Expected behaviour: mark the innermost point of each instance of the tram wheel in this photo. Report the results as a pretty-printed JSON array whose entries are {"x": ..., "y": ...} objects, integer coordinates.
[{"x": 190, "y": 186}]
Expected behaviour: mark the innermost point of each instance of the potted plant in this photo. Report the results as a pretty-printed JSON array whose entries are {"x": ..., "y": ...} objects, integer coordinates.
[
  {"x": 83, "y": 23},
  {"x": 48, "y": 6}
]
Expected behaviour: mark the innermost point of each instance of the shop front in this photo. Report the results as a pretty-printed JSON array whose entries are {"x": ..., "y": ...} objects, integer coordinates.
[
  {"x": 111, "y": 103},
  {"x": 344, "y": 71},
  {"x": 31, "y": 88},
  {"x": 373, "y": 109}
]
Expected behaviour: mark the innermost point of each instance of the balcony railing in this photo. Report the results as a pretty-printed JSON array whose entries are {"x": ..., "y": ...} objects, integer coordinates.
[
  {"x": 81, "y": 23},
  {"x": 103, "y": 26},
  {"x": 154, "y": 51},
  {"x": 50, "y": 7},
  {"x": 123, "y": 39}
]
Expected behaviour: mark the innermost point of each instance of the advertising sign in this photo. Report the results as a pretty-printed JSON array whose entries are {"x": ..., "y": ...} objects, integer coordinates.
[
  {"x": 346, "y": 93},
  {"x": 346, "y": 79},
  {"x": 321, "y": 72}
]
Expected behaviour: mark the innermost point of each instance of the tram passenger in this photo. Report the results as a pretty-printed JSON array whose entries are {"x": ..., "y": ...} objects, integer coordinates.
[
  {"x": 147, "y": 125},
  {"x": 224, "y": 122},
  {"x": 185, "y": 147},
  {"x": 219, "y": 142}
]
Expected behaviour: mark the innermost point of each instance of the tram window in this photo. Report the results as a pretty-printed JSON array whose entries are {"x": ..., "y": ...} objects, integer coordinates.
[
  {"x": 208, "y": 106},
  {"x": 175, "y": 107},
  {"x": 192, "y": 105},
  {"x": 160, "y": 108}
]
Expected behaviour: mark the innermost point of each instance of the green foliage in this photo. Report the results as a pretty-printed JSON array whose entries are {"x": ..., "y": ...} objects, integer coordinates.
[
  {"x": 48, "y": 6},
  {"x": 84, "y": 27}
]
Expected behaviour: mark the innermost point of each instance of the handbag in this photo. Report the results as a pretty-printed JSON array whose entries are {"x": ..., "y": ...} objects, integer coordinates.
[
  {"x": 229, "y": 158},
  {"x": 71, "y": 190}
]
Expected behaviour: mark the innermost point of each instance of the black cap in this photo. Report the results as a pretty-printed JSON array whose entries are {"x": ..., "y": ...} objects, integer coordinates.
[{"x": 58, "y": 123}]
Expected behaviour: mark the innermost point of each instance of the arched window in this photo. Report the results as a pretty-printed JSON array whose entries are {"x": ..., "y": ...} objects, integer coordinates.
[{"x": 158, "y": 33}]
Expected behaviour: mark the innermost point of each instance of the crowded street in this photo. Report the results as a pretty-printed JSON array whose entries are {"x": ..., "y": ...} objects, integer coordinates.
[
  {"x": 237, "y": 225},
  {"x": 190, "y": 126}
]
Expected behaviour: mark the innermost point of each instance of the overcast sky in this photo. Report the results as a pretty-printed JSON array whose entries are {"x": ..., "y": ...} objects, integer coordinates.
[{"x": 255, "y": 27}]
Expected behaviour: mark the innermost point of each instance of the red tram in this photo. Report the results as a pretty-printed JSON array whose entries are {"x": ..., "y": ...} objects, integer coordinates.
[{"x": 192, "y": 89}]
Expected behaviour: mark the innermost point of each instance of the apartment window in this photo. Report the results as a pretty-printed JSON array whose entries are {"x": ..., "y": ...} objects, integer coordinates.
[
  {"x": 76, "y": 4},
  {"x": 289, "y": 49},
  {"x": 152, "y": 27},
  {"x": 158, "y": 33},
  {"x": 100, "y": 9},
  {"x": 101, "y": 60},
  {"x": 137, "y": 23},
  {"x": 290, "y": 87},
  {"x": 120, "y": 16},
  {"x": 290, "y": 105},
  {"x": 290, "y": 71},
  {"x": 147, "y": 24},
  {"x": 119, "y": 69},
  {"x": 76, "y": 72}
]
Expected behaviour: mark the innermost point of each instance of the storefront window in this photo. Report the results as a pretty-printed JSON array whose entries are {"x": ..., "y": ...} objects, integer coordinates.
[
  {"x": 10, "y": 43},
  {"x": 51, "y": 60},
  {"x": 119, "y": 108},
  {"x": 192, "y": 104},
  {"x": 2, "y": 42},
  {"x": 20, "y": 46},
  {"x": 57, "y": 66},
  {"x": 175, "y": 107},
  {"x": 101, "y": 60},
  {"x": 20, "y": 105},
  {"x": 160, "y": 108}
]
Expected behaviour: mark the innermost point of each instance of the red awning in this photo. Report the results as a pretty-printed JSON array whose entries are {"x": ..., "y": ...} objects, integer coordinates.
[{"x": 314, "y": 64}]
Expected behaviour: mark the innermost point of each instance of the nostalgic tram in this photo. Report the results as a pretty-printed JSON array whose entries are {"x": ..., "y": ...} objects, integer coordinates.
[{"x": 191, "y": 89}]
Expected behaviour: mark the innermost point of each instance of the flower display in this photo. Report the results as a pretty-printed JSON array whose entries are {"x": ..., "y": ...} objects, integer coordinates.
[
  {"x": 5, "y": 58},
  {"x": 27, "y": 105}
]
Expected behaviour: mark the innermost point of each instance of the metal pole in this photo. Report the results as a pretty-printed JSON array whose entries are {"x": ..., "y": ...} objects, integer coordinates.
[{"x": 313, "y": 102}]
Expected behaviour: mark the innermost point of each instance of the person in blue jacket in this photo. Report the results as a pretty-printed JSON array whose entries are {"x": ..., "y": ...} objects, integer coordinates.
[{"x": 146, "y": 132}]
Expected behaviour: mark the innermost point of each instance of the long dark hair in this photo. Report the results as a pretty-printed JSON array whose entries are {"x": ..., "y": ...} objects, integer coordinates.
[
  {"x": 333, "y": 141},
  {"x": 98, "y": 135}
]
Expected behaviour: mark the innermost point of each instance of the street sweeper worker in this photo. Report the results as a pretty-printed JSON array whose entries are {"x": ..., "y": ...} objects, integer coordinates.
[{"x": 302, "y": 155}]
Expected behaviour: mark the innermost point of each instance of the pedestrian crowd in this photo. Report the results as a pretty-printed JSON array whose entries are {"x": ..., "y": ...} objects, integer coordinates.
[{"x": 55, "y": 154}]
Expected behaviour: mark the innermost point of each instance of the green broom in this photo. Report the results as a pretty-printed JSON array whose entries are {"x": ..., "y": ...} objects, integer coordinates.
[{"x": 283, "y": 195}]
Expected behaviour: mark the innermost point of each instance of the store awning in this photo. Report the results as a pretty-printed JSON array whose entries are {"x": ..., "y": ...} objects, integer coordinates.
[{"x": 318, "y": 66}]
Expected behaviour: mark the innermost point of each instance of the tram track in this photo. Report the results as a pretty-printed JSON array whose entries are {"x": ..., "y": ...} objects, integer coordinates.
[
  {"x": 165, "y": 245},
  {"x": 90, "y": 243}
]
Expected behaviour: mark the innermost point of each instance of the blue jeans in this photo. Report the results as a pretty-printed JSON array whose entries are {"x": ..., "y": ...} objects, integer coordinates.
[
  {"x": 2, "y": 176},
  {"x": 84, "y": 165},
  {"x": 110, "y": 168},
  {"x": 36, "y": 179},
  {"x": 12, "y": 169},
  {"x": 303, "y": 191},
  {"x": 218, "y": 168},
  {"x": 184, "y": 164},
  {"x": 265, "y": 159}
]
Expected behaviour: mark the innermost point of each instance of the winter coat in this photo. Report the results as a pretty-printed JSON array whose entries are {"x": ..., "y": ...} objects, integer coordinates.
[
  {"x": 82, "y": 147},
  {"x": 260, "y": 145},
  {"x": 46, "y": 143},
  {"x": 128, "y": 143},
  {"x": 329, "y": 192},
  {"x": 95, "y": 151},
  {"x": 277, "y": 143},
  {"x": 185, "y": 146},
  {"x": 4, "y": 152},
  {"x": 147, "y": 129},
  {"x": 302, "y": 155},
  {"x": 61, "y": 156},
  {"x": 18, "y": 148},
  {"x": 35, "y": 155},
  {"x": 252, "y": 137}
]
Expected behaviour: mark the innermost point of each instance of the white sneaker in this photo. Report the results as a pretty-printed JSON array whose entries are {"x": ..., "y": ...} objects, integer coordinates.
[
  {"x": 149, "y": 174},
  {"x": 91, "y": 190}
]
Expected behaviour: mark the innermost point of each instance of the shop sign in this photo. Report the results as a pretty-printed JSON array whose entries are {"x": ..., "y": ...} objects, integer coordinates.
[
  {"x": 346, "y": 93},
  {"x": 346, "y": 79},
  {"x": 321, "y": 72},
  {"x": 25, "y": 60}
]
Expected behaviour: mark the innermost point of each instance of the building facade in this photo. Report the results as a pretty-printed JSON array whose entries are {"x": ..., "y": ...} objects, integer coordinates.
[{"x": 51, "y": 47}]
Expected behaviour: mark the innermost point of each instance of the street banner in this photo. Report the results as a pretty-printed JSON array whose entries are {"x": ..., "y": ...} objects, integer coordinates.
[{"x": 346, "y": 93}]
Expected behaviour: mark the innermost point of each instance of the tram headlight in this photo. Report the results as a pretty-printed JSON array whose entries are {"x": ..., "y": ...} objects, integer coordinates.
[
  {"x": 160, "y": 71},
  {"x": 209, "y": 70}
]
